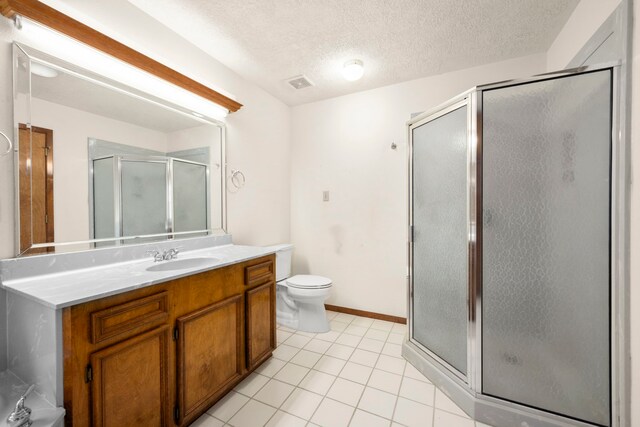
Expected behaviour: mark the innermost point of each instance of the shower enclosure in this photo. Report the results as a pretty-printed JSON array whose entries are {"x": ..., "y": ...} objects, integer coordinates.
[
  {"x": 514, "y": 206},
  {"x": 148, "y": 195}
]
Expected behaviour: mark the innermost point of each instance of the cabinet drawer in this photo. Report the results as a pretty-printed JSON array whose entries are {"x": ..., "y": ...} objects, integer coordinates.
[
  {"x": 125, "y": 320},
  {"x": 259, "y": 273}
]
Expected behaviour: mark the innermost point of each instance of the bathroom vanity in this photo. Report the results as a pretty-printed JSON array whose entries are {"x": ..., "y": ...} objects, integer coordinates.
[
  {"x": 140, "y": 342},
  {"x": 110, "y": 165}
]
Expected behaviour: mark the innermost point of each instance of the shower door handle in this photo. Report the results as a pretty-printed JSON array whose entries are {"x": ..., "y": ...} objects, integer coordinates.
[{"x": 471, "y": 280}]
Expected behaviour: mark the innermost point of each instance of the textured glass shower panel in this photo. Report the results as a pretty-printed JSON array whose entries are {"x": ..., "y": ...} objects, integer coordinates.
[
  {"x": 103, "y": 199},
  {"x": 189, "y": 196},
  {"x": 546, "y": 191},
  {"x": 144, "y": 198},
  {"x": 440, "y": 237}
]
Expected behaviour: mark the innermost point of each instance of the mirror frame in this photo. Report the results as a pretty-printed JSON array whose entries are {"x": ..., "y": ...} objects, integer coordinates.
[{"x": 32, "y": 54}]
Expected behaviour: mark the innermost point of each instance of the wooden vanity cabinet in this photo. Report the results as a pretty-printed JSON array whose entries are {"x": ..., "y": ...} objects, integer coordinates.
[
  {"x": 210, "y": 357},
  {"x": 260, "y": 313},
  {"x": 163, "y": 354},
  {"x": 126, "y": 391}
]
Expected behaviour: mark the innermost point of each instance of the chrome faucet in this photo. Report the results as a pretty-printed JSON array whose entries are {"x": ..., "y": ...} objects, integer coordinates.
[
  {"x": 167, "y": 255},
  {"x": 21, "y": 415},
  {"x": 157, "y": 256},
  {"x": 170, "y": 254}
]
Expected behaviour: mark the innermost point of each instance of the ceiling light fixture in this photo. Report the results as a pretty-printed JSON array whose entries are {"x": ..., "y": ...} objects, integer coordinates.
[{"x": 353, "y": 70}]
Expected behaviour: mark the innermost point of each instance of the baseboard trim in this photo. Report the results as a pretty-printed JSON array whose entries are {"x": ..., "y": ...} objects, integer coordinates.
[{"x": 363, "y": 313}]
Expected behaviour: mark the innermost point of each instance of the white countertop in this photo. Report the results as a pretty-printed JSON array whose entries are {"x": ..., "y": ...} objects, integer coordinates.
[{"x": 64, "y": 289}]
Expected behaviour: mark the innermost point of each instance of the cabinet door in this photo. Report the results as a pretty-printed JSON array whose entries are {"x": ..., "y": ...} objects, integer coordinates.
[
  {"x": 261, "y": 323},
  {"x": 130, "y": 382},
  {"x": 209, "y": 354}
]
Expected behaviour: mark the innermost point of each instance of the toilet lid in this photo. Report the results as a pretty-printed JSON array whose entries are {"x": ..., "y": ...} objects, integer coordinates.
[{"x": 308, "y": 281}]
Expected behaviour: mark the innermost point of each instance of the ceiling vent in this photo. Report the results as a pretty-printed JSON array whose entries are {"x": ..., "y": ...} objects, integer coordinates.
[{"x": 299, "y": 82}]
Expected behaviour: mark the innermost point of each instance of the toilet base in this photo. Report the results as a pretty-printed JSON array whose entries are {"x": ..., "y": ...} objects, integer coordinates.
[
  {"x": 302, "y": 309},
  {"x": 312, "y": 318},
  {"x": 286, "y": 319},
  {"x": 305, "y": 317}
]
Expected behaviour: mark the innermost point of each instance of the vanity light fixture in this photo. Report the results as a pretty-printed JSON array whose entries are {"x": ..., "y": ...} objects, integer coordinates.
[
  {"x": 353, "y": 70},
  {"x": 73, "y": 51},
  {"x": 43, "y": 71}
]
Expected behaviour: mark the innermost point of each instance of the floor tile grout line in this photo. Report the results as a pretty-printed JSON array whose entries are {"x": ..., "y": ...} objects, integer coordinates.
[
  {"x": 325, "y": 395},
  {"x": 238, "y": 410},
  {"x": 395, "y": 407},
  {"x": 360, "y": 337},
  {"x": 334, "y": 381},
  {"x": 360, "y": 399},
  {"x": 355, "y": 408},
  {"x": 278, "y": 408},
  {"x": 297, "y": 416},
  {"x": 397, "y": 395},
  {"x": 399, "y": 390},
  {"x": 294, "y": 386}
]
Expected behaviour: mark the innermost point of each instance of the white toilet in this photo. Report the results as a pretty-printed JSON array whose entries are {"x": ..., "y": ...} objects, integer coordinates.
[{"x": 299, "y": 299}]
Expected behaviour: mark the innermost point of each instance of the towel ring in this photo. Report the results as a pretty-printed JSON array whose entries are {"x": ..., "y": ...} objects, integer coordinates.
[
  {"x": 237, "y": 180},
  {"x": 9, "y": 147}
]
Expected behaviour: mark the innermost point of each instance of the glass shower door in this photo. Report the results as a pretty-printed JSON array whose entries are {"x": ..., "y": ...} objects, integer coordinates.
[
  {"x": 143, "y": 197},
  {"x": 546, "y": 152},
  {"x": 439, "y": 245},
  {"x": 104, "y": 210},
  {"x": 190, "y": 199}
]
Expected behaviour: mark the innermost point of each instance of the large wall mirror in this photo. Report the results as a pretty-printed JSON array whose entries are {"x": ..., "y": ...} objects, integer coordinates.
[{"x": 101, "y": 164}]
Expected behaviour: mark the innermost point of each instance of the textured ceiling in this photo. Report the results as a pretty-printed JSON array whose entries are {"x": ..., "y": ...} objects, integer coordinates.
[{"x": 269, "y": 41}]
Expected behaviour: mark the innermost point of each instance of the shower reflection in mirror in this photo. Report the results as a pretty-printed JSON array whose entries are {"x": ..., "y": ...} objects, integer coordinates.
[
  {"x": 141, "y": 192},
  {"x": 103, "y": 164}
]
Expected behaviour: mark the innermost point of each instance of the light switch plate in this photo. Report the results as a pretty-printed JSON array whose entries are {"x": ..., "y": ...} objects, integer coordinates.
[{"x": 325, "y": 196}]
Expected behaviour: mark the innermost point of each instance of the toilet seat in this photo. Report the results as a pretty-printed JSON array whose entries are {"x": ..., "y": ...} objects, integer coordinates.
[{"x": 308, "y": 281}]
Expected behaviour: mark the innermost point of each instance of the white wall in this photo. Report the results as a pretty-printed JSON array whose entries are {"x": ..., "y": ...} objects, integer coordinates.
[
  {"x": 587, "y": 17},
  {"x": 359, "y": 237}
]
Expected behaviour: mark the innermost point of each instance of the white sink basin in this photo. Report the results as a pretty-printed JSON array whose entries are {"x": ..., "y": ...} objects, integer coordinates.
[{"x": 182, "y": 264}]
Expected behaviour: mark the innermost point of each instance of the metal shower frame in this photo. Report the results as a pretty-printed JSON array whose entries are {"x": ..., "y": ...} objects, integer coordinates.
[
  {"x": 117, "y": 188},
  {"x": 467, "y": 390}
]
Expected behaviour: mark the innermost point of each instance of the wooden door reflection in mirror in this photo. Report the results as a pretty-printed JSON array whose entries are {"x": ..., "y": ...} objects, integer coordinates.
[{"x": 36, "y": 188}]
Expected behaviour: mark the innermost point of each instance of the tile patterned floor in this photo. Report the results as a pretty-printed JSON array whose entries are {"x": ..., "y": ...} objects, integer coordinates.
[{"x": 352, "y": 376}]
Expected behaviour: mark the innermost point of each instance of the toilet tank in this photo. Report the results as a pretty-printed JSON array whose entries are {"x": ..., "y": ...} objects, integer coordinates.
[{"x": 284, "y": 253}]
